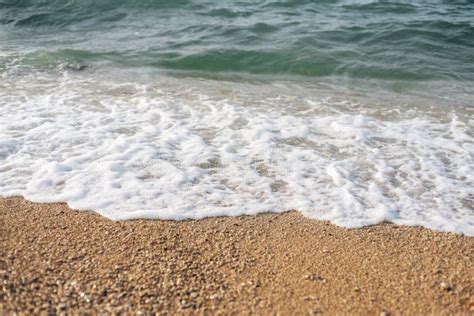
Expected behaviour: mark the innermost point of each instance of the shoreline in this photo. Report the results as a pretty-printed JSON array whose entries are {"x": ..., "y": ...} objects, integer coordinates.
[{"x": 58, "y": 260}]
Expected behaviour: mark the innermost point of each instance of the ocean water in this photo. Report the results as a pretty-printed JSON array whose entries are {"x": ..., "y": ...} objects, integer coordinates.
[{"x": 356, "y": 112}]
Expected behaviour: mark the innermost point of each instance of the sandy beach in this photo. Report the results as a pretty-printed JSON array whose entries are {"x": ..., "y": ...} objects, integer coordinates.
[
  {"x": 236, "y": 157},
  {"x": 54, "y": 259}
]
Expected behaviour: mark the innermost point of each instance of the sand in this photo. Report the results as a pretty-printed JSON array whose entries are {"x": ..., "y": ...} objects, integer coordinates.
[{"x": 55, "y": 260}]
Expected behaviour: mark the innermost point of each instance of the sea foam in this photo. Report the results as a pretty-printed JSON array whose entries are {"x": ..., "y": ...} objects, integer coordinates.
[{"x": 189, "y": 149}]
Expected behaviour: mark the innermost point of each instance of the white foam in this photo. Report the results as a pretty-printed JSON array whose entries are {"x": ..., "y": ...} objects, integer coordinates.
[{"x": 178, "y": 149}]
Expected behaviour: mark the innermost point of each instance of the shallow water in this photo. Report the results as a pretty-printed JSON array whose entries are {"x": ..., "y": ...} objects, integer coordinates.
[
  {"x": 357, "y": 112},
  {"x": 398, "y": 40}
]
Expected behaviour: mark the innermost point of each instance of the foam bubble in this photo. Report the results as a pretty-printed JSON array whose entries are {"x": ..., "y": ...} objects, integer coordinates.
[{"x": 179, "y": 149}]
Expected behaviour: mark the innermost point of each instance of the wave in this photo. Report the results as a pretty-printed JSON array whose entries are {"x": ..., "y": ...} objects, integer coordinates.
[
  {"x": 177, "y": 149},
  {"x": 358, "y": 39}
]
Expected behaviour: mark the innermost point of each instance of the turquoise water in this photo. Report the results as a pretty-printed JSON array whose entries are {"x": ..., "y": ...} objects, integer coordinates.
[
  {"x": 388, "y": 40},
  {"x": 356, "y": 112}
]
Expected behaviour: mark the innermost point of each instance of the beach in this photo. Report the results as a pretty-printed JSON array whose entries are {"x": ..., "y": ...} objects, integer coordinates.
[
  {"x": 55, "y": 259},
  {"x": 236, "y": 157}
]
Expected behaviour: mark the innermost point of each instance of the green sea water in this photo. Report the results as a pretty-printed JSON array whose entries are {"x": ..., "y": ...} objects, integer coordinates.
[{"x": 302, "y": 39}]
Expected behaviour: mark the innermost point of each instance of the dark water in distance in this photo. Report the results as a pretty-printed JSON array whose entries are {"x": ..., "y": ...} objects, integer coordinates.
[{"x": 388, "y": 40}]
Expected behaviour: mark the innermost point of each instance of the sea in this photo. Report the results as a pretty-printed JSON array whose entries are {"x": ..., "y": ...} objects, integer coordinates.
[{"x": 356, "y": 112}]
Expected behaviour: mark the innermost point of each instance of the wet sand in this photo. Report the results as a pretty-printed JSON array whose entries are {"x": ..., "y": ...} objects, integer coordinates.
[{"x": 53, "y": 259}]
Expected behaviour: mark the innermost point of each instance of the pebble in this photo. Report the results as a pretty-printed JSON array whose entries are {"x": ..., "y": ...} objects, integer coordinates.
[{"x": 446, "y": 286}]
